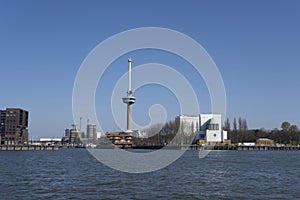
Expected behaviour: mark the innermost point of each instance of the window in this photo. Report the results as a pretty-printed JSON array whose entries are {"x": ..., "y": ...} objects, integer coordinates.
[{"x": 212, "y": 126}]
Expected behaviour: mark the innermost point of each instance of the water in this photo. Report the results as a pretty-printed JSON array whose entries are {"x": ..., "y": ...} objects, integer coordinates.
[{"x": 75, "y": 174}]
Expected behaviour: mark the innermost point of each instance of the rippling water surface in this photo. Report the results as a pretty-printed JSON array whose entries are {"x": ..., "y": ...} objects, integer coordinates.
[{"x": 75, "y": 174}]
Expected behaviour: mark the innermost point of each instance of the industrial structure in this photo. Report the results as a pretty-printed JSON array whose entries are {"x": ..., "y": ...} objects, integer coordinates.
[
  {"x": 72, "y": 136},
  {"x": 14, "y": 126},
  {"x": 91, "y": 132}
]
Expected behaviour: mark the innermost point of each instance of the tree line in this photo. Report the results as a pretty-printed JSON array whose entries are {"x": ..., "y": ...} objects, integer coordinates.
[
  {"x": 288, "y": 134},
  {"x": 171, "y": 132}
]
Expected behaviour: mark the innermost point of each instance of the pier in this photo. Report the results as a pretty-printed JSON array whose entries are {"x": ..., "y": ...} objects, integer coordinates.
[{"x": 27, "y": 148}]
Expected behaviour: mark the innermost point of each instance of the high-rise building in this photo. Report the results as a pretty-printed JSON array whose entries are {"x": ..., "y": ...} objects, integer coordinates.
[
  {"x": 67, "y": 133},
  {"x": 13, "y": 126},
  {"x": 2, "y": 123}
]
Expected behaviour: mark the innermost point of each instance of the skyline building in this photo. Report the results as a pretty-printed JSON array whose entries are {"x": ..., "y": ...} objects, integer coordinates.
[{"x": 14, "y": 126}]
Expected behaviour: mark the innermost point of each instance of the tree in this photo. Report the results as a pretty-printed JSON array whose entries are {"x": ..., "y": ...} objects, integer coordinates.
[
  {"x": 240, "y": 121},
  {"x": 227, "y": 125},
  {"x": 285, "y": 126},
  {"x": 293, "y": 129},
  {"x": 244, "y": 125},
  {"x": 234, "y": 125}
]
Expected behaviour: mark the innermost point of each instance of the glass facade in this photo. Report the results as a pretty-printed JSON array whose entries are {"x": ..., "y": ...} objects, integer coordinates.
[{"x": 212, "y": 126}]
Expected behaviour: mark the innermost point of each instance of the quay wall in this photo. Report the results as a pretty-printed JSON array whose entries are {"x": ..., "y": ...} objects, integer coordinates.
[
  {"x": 223, "y": 147},
  {"x": 27, "y": 148},
  {"x": 242, "y": 148}
]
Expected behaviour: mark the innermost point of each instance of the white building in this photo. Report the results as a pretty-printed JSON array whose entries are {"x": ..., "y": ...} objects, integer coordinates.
[
  {"x": 211, "y": 128},
  {"x": 49, "y": 141},
  {"x": 207, "y": 127},
  {"x": 189, "y": 124}
]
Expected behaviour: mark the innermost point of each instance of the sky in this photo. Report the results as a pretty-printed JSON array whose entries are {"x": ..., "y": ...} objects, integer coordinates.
[{"x": 255, "y": 45}]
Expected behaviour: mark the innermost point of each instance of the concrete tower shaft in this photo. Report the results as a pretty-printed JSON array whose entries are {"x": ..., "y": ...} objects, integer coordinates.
[{"x": 129, "y": 99}]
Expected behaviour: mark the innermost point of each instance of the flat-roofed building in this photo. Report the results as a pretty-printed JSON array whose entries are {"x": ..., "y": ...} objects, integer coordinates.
[
  {"x": 190, "y": 124},
  {"x": 264, "y": 142},
  {"x": 207, "y": 127},
  {"x": 211, "y": 128},
  {"x": 50, "y": 141},
  {"x": 13, "y": 126}
]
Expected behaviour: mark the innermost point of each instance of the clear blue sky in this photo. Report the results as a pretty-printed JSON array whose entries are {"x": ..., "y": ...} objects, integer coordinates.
[{"x": 255, "y": 45}]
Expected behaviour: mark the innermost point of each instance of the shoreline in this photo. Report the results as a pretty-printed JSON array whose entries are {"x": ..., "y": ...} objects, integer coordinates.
[{"x": 156, "y": 147}]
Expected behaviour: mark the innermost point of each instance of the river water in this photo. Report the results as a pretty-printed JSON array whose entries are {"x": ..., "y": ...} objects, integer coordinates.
[{"x": 75, "y": 174}]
